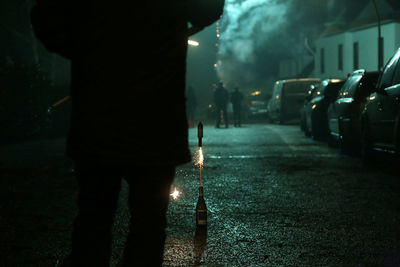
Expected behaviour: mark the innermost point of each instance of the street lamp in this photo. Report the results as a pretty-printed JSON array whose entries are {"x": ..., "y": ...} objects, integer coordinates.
[
  {"x": 380, "y": 39},
  {"x": 193, "y": 43}
]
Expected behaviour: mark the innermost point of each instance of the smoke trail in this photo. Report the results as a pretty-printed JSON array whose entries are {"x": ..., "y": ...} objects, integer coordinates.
[
  {"x": 246, "y": 26},
  {"x": 255, "y": 35}
]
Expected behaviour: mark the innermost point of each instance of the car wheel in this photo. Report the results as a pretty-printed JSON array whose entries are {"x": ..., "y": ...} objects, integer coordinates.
[
  {"x": 281, "y": 119},
  {"x": 315, "y": 132},
  {"x": 302, "y": 123},
  {"x": 306, "y": 131},
  {"x": 316, "y": 129},
  {"x": 397, "y": 134},
  {"x": 344, "y": 144},
  {"x": 367, "y": 152},
  {"x": 331, "y": 141}
]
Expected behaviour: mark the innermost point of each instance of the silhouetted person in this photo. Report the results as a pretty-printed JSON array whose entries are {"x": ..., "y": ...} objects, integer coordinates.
[
  {"x": 191, "y": 105},
  {"x": 128, "y": 67},
  {"x": 221, "y": 98},
  {"x": 236, "y": 99}
]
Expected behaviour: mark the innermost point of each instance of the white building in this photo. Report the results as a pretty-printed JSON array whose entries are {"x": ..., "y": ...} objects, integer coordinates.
[
  {"x": 357, "y": 48},
  {"x": 346, "y": 42}
]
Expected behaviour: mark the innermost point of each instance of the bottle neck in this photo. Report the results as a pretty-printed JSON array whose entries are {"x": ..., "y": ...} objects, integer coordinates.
[{"x": 201, "y": 191}]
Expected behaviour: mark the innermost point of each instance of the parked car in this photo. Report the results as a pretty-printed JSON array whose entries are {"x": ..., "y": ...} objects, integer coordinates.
[
  {"x": 381, "y": 116},
  {"x": 344, "y": 114},
  {"x": 287, "y": 99},
  {"x": 256, "y": 107},
  {"x": 310, "y": 95},
  {"x": 316, "y": 122}
]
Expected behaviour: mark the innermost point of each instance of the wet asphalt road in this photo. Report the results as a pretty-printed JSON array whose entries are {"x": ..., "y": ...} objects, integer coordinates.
[{"x": 274, "y": 197}]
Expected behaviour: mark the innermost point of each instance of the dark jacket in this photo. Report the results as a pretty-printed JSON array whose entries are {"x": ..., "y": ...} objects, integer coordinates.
[
  {"x": 221, "y": 97},
  {"x": 128, "y": 74},
  {"x": 236, "y": 99}
]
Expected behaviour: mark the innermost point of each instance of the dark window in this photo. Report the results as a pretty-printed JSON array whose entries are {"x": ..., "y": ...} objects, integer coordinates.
[
  {"x": 322, "y": 60},
  {"x": 340, "y": 57},
  {"x": 355, "y": 56},
  {"x": 354, "y": 85},
  {"x": 367, "y": 85},
  {"x": 396, "y": 77},
  {"x": 349, "y": 86},
  {"x": 388, "y": 72}
]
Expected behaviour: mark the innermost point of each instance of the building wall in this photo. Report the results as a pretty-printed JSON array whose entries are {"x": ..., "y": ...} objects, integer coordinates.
[
  {"x": 291, "y": 68},
  {"x": 287, "y": 68},
  {"x": 367, "y": 40}
]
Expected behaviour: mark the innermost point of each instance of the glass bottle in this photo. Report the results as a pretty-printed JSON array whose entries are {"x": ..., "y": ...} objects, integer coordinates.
[{"x": 201, "y": 209}]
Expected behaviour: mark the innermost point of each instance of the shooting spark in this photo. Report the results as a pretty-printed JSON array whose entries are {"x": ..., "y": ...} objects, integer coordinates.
[
  {"x": 175, "y": 194},
  {"x": 201, "y": 157}
]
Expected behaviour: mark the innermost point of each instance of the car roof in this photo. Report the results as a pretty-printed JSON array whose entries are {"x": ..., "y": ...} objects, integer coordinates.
[
  {"x": 364, "y": 72},
  {"x": 299, "y": 80}
]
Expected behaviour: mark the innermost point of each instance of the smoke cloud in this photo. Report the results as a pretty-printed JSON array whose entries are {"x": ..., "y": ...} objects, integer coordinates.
[
  {"x": 256, "y": 34},
  {"x": 248, "y": 24},
  {"x": 246, "y": 28}
]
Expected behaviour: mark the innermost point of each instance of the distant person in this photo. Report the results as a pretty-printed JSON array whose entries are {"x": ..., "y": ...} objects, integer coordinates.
[
  {"x": 191, "y": 105},
  {"x": 221, "y": 98},
  {"x": 128, "y": 113},
  {"x": 236, "y": 99}
]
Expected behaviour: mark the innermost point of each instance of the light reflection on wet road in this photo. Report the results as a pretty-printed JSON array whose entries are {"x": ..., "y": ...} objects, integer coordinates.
[{"x": 276, "y": 198}]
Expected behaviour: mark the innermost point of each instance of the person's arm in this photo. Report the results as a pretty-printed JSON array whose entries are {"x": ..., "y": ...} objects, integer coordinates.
[{"x": 52, "y": 23}]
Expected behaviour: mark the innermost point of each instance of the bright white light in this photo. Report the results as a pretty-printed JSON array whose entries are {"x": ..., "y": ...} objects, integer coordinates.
[
  {"x": 200, "y": 159},
  {"x": 193, "y": 43},
  {"x": 175, "y": 194}
]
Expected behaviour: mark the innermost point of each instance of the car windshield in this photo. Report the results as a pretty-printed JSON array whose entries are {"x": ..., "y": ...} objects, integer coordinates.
[
  {"x": 321, "y": 89},
  {"x": 350, "y": 86},
  {"x": 299, "y": 88}
]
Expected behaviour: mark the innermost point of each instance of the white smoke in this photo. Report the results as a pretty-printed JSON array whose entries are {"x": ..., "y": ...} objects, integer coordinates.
[{"x": 246, "y": 27}]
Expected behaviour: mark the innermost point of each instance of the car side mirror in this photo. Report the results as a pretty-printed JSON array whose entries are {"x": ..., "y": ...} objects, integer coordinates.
[
  {"x": 393, "y": 91},
  {"x": 380, "y": 88}
]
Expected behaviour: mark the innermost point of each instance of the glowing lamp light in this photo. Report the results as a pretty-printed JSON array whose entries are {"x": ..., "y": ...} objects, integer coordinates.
[
  {"x": 193, "y": 43},
  {"x": 256, "y": 93},
  {"x": 175, "y": 194}
]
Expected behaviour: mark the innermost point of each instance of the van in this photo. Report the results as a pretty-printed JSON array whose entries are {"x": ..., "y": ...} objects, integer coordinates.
[{"x": 288, "y": 98}]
